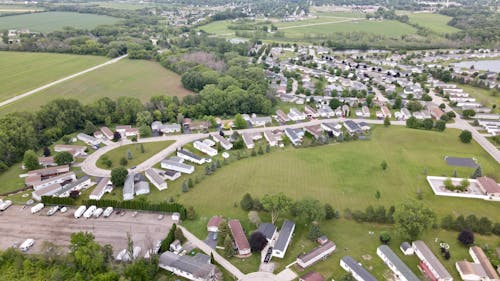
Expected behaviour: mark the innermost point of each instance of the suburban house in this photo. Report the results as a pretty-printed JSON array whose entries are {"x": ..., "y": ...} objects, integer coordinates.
[
  {"x": 312, "y": 276},
  {"x": 157, "y": 126},
  {"x": 213, "y": 224},
  {"x": 128, "y": 188},
  {"x": 268, "y": 230},
  {"x": 107, "y": 133},
  {"x": 177, "y": 166},
  {"x": 46, "y": 191},
  {"x": 316, "y": 130},
  {"x": 488, "y": 186},
  {"x": 75, "y": 150},
  {"x": 333, "y": 128},
  {"x": 82, "y": 183},
  {"x": 223, "y": 141},
  {"x": 203, "y": 147},
  {"x": 284, "y": 238},
  {"x": 365, "y": 111},
  {"x": 296, "y": 115},
  {"x": 480, "y": 269},
  {"x": 61, "y": 179},
  {"x": 352, "y": 127},
  {"x": 282, "y": 117},
  {"x": 272, "y": 139},
  {"x": 155, "y": 178},
  {"x": 127, "y": 131},
  {"x": 406, "y": 248},
  {"x": 326, "y": 112},
  {"x": 310, "y": 112},
  {"x": 248, "y": 140},
  {"x": 189, "y": 156},
  {"x": 240, "y": 238},
  {"x": 197, "y": 268},
  {"x": 429, "y": 264},
  {"x": 135, "y": 184},
  {"x": 46, "y": 161},
  {"x": 397, "y": 266},
  {"x": 102, "y": 187},
  {"x": 386, "y": 112},
  {"x": 315, "y": 255},
  {"x": 88, "y": 139},
  {"x": 45, "y": 173},
  {"x": 257, "y": 121},
  {"x": 294, "y": 135},
  {"x": 168, "y": 174},
  {"x": 358, "y": 272},
  {"x": 435, "y": 112},
  {"x": 98, "y": 134},
  {"x": 406, "y": 113}
]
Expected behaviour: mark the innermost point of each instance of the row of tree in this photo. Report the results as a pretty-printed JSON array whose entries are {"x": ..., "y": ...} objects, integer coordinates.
[{"x": 481, "y": 225}]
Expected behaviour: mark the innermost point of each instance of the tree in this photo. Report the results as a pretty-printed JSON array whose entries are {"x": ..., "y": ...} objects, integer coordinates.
[
  {"x": 179, "y": 235},
  {"x": 428, "y": 124},
  {"x": 314, "y": 232},
  {"x": 228, "y": 246},
  {"x": 89, "y": 128},
  {"x": 191, "y": 213},
  {"x": 383, "y": 165},
  {"x": 223, "y": 232},
  {"x": 440, "y": 125},
  {"x": 258, "y": 241},
  {"x": 385, "y": 237},
  {"x": 63, "y": 158},
  {"x": 239, "y": 122},
  {"x": 377, "y": 194},
  {"x": 310, "y": 210},
  {"x": 412, "y": 219},
  {"x": 347, "y": 277},
  {"x": 118, "y": 176},
  {"x": 142, "y": 148},
  {"x": 165, "y": 243},
  {"x": 246, "y": 202},
  {"x": 46, "y": 151},
  {"x": 253, "y": 217},
  {"x": 276, "y": 204},
  {"x": 185, "y": 187},
  {"x": 466, "y": 237},
  {"x": 468, "y": 113},
  {"x": 335, "y": 103},
  {"x": 129, "y": 155},
  {"x": 478, "y": 172},
  {"x": 86, "y": 253},
  {"x": 30, "y": 160},
  {"x": 123, "y": 161},
  {"x": 387, "y": 121},
  {"x": 116, "y": 136},
  {"x": 465, "y": 136},
  {"x": 190, "y": 183},
  {"x": 329, "y": 212}
]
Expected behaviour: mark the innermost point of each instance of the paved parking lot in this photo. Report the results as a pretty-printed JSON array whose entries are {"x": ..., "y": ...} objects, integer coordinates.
[{"x": 18, "y": 224}]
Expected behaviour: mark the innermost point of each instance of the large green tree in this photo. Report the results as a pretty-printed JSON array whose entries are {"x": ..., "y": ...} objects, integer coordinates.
[
  {"x": 412, "y": 218},
  {"x": 276, "y": 204},
  {"x": 63, "y": 158},
  {"x": 118, "y": 176},
  {"x": 30, "y": 160}
]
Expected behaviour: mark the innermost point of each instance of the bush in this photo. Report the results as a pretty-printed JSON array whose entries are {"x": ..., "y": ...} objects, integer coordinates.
[
  {"x": 246, "y": 202},
  {"x": 465, "y": 136},
  {"x": 385, "y": 237},
  {"x": 466, "y": 237},
  {"x": 257, "y": 241}
]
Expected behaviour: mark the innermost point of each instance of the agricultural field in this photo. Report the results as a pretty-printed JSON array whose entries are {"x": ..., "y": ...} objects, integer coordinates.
[
  {"x": 52, "y": 21},
  {"x": 435, "y": 22},
  {"x": 150, "y": 149},
  {"x": 22, "y": 72},
  {"x": 134, "y": 78}
]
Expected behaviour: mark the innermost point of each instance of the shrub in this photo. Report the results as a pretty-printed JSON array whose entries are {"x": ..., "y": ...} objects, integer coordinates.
[
  {"x": 385, "y": 237},
  {"x": 466, "y": 237}
]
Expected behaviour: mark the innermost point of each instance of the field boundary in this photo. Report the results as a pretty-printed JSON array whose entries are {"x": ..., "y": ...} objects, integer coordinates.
[{"x": 41, "y": 88}]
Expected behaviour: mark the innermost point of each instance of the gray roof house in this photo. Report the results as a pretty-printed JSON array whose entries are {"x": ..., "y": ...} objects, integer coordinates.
[
  {"x": 430, "y": 264},
  {"x": 284, "y": 238},
  {"x": 396, "y": 264},
  {"x": 268, "y": 229},
  {"x": 189, "y": 156},
  {"x": 294, "y": 135},
  {"x": 128, "y": 187},
  {"x": 358, "y": 272},
  {"x": 352, "y": 127},
  {"x": 177, "y": 166},
  {"x": 141, "y": 185},
  {"x": 196, "y": 267}
]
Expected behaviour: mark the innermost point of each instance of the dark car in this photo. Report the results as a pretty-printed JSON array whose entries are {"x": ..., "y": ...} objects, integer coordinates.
[{"x": 268, "y": 255}]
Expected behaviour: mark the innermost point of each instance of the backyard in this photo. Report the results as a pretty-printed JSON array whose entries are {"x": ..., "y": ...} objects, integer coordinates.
[{"x": 21, "y": 72}]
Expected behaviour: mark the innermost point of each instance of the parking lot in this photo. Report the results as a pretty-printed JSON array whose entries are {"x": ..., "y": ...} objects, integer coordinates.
[{"x": 18, "y": 224}]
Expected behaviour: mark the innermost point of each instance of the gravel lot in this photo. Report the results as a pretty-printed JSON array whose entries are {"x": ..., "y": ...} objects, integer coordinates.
[{"x": 18, "y": 224}]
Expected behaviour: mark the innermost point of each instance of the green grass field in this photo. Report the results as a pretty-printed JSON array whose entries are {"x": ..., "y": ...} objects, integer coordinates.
[
  {"x": 21, "y": 72},
  {"x": 134, "y": 78},
  {"x": 150, "y": 149},
  {"x": 51, "y": 21},
  {"x": 435, "y": 22}
]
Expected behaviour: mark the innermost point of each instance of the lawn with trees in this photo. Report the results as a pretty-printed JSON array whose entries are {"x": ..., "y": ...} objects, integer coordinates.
[{"x": 132, "y": 153}]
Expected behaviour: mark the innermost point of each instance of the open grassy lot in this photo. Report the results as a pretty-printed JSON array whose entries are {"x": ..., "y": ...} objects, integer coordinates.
[
  {"x": 134, "y": 78},
  {"x": 150, "y": 149},
  {"x": 21, "y": 72},
  {"x": 435, "y": 22},
  {"x": 339, "y": 14},
  {"x": 51, "y": 21}
]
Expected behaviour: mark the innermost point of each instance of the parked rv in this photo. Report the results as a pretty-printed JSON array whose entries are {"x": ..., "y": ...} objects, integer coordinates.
[
  {"x": 26, "y": 245},
  {"x": 98, "y": 212},
  {"x": 89, "y": 212},
  {"x": 37, "y": 208},
  {"x": 52, "y": 210},
  {"x": 79, "y": 212},
  {"x": 108, "y": 212},
  {"x": 5, "y": 204}
]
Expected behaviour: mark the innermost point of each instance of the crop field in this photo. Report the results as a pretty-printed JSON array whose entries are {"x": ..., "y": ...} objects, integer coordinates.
[
  {"x": 51, "y": 21},
  {"x": 435, "y": 22},
  {"x": 133, "y": 78},
  {"x": 138, "y": 157},
  {"x": 21, "y": 72}
]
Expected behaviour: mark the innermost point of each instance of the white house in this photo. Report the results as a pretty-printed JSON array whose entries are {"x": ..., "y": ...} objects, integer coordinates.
[
  {"x": 156, "y": 179},
  {"x": 358, "y": 272},
  {"x": 316, "y": 254},
  {"x": 223, "y": 141},
  {"x": 296, "y": 115},
  {"x": 88, "y": 139},
  {"x": 396, "y": 264},
  {"x": 284, "y": 238},
  {"x": 102, "y": 187},
  {"x": 191, "y": 157},
  {"x": 203, "y": 147},
  {"x": 197, "y": 268},
  {"x": 176, "y": 166},
  {"x": 430, "y": 265}
]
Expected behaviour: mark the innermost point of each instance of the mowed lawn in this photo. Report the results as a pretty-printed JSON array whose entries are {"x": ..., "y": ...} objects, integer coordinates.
[
  {"x": 150, "y": 149},
  {"x": 133, "y": 78},
  {"x": 484, "y": 96},
  {"x": 435, "y": 22},
  {"x": 52, "y": 21},
  {"x": 21, "y": 72}
]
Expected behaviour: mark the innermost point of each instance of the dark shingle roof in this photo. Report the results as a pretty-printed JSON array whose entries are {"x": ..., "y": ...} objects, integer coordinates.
[
  {"x": 268, "y": 229},
  {"x": 286, "y": 231},
  {"x": 358, "y": 269},
  {"x": 398, "y": 263}
]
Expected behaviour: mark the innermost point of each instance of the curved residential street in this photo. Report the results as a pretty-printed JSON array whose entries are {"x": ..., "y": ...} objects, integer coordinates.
[
  {"x": 90, "y": 168},
  {"x": 41, "y": 88}
]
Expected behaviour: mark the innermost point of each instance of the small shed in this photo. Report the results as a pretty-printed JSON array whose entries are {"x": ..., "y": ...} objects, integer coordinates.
[{"x": 406, "y": 248}]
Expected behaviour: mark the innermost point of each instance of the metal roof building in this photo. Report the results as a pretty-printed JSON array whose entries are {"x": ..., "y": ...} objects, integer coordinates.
[{"x": 396, "y": 264}]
